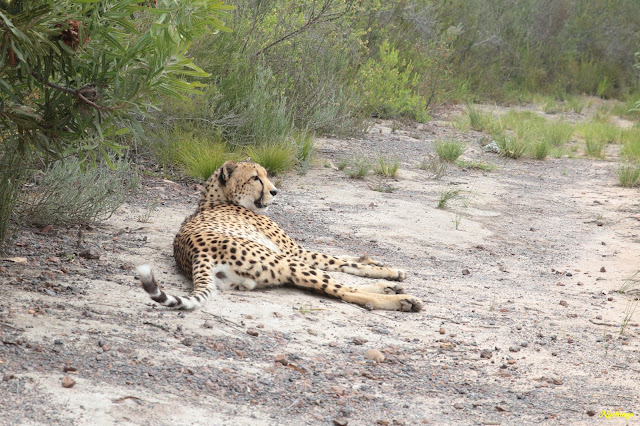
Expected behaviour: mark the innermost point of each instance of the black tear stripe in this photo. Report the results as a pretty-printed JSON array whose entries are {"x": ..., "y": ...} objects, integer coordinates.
[{"x": 221, "y": 178}]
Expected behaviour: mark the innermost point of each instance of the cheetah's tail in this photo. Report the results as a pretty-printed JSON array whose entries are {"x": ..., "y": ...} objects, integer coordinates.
[{"x": 155, "y": 292}]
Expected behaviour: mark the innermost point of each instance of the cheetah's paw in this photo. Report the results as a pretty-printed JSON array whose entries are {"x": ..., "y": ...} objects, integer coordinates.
[{"x": 411, "y": 304}]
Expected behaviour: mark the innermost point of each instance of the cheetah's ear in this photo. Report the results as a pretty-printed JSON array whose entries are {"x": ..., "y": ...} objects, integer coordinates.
[{"x": 227, "y": 169}]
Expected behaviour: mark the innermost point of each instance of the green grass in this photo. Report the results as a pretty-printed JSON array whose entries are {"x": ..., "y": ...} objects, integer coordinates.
[
  {"x": 387, "y": 167},
  {"x": 594, "y": 147},
  {"x": 445, "y": 197},
  {"x": 600, "y": 131},
  {"x": 479, "y": 165},
  {"x": 199, "y": 157},
  {"x": 359, "y": 170},
  {"x": 481, "y": 121},
  {"x": 306, "y": 149},
  {"x": 629, "y": 175},
  {"x": 512, "y": 146},
  {"x": 342, "y": 164},
  {"x": 275, "y": 157},
  {"x": 631, "y": 144},
  {"x": 557, "y": 133},
  {"x": 540, "y": 149},
  {"x": 434, "y": 167},
  {"x": 449, "y": 151},
  {"x": 577, "y": 104}
]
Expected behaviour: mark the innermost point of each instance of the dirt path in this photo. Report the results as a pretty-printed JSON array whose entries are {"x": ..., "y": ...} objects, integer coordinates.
[{"x": 519, "y": 277}]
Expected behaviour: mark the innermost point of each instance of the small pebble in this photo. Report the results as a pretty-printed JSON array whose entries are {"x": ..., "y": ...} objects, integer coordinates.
[
  {"x": 68, "y": 382},
  {"x": 603, "y": 269},
  {"x": 253, "y": 332},
  {"x": 564, "y": 303},
  {"x": 442, "y": 331},
  {"x": 486, "y": 354}
]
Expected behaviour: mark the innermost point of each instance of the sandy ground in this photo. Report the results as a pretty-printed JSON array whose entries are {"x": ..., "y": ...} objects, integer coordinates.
[{"x": 519, "y": 275}]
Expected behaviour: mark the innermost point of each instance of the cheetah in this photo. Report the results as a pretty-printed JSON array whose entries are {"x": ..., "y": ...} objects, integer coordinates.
[{"x": 228, "y": 243}]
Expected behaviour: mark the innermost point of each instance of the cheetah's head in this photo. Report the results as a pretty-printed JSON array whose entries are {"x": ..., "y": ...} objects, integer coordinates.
[{"x": 243, "y": 183}]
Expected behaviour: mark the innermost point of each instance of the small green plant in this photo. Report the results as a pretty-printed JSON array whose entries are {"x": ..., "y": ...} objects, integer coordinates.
[
  {"x": 306, "y": 148},
  {"x": 577, "y": 104},
  {"x": 594, "y": 147},
  {"x": 276, "y": 157},
  {"x": 631, "y": 144},
  {"x": 434, "y": 167},
  {"x": 629, "y": 310},
  {"x": 482, "y": 122},
  {"x": 387, "y": 167},
  {"x": 385, "y": 188},
  {"x": 629, "y": 175},
  {"x": 551, "y": 106},
  {"x": 540, "y": 149},
  {"x": 150, "y": 208},
  {"x": 511, "y": 146},
  {"x": 458, "y": 220},
  {"x": 360, "y": 169},
  {"x": 479, "y": 165},
  {"x": 557, "y": 133},
  {"x": 200, "y": 157},
  {"x": 71, "y": 192},
  {"x": 446, "y": 196},
  {"x": 631, "y": 284},
  {"x": 449, "y": 150},
  {"x": 342, "y": 164}
]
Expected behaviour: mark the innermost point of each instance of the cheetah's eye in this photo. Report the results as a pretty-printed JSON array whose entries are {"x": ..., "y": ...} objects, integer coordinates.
[{"x": 256, "y": 178}]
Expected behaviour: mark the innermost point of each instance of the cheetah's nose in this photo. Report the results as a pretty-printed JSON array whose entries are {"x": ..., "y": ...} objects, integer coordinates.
[{"x": 273, "y": 192}]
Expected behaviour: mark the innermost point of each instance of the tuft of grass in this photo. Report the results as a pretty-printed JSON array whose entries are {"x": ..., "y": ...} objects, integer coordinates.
[
  {"x": 385, "y": 188},
  {"x": 557, "y": 133},
  {"x": 482, "y": 122},
  {"x": 387, "y": 167},
  {"x": 479, "y": 165},
  {"x": 629, "y": 175},
  {"x": 360, "y": 169},
  {"x": 434, "y": 167},
  {"x": 511, "y": 146},
  {"x": 594, "y": 147},
  {"x": 276, "y": 158},
  {"x": 449, "y": 151},
  {"x": 577, "y": 104},
  {"x": 601, "y": 131},
  {"x": 342, "y": 164},
  {"x": 540, "y": 149},
  {"x": 631, "y": 144},
  {"x": 551, "y": 106},
  {"x": 200, "y": 157},
  {"x": 445, "y": 197},
  {"x": 306, "y": 149}
]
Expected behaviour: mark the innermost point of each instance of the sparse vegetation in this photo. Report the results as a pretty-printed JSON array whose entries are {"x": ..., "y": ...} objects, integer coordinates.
[
  {"x": 387, "y": 167},
  {"x": 629, "y": 175},
  {"x": 275, "y": 157},
  {"x": 449, "y": 151},
  {"x": 446, "y": 196},
  {"x": 385, "y": 188},
  {"x": 486, "y": 167},
  {"x": 434, "y": 167},
  {"x": 359, "y": 169},
  {"x": 594, "y": 147}
]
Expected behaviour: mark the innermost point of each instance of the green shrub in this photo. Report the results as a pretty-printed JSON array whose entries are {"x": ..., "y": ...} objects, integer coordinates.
[
  {"x": 449, "y": 150},
  {"x": 390, "y": 86},
  {"x": 359, "y": 169},
  {"x": 71, "y": 192},
  {"x": 434, "y": 167},
  {"x": 557, "y": 133},
  {"x": 540, "y": 149},
  {"x": 511, "y": 146}
]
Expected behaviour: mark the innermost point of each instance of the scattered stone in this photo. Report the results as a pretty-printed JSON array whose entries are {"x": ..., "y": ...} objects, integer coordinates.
[
  {"x": 486, "y": 354},
  {"x": 187, "y": 341},
  {"x": 253, "y": 332},
  {"x": 569, "y": 274},
  {"x": 580, "y": 283},
  {"x": 603, "y": 269},
  {"x": 564, "y": 303},
  {"x": 90, "y": 253},
  {"x": 208, "y": 324},
  {"x": 68, "y": 382},
  {"x": 591, "y": 413},
  {"x": 524, "y": 344},
  {"x": 69, "y": 368},
  {"x": 340, "y": 421},
  {"x": 557, "y": 381},
  {"x": 7, "y": 376},
  {"x": 359, "y": 341},
  {"x": 281, "y": 359},
  {"x": 559, "y": 284},
  {"x": 374, "y": 355},
  {"x": 514, "y": 349},
  {"x": 600, "y": 223},
  {"x": 46, "y": 229},
  {"x": 501, "y": 408},
  {"x": 458, "y": 406},
  {"x": 442, "y": 331},
  {"x": 465, "y": 272},
  {"x": 610, "y": 299},
  {"x": 277, "y": 314}
]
